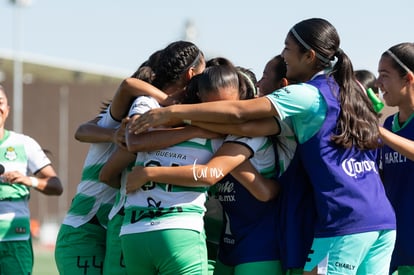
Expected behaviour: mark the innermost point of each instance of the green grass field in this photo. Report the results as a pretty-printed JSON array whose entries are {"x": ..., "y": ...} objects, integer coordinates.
[{"x": 44, "y": 262}]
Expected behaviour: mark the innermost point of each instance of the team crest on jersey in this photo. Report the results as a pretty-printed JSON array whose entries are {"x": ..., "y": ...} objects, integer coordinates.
[{"x": 10, "y": 153}]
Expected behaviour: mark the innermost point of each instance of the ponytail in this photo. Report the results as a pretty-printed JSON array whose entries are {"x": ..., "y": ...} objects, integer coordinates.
[{"x": 358, "y": 122}]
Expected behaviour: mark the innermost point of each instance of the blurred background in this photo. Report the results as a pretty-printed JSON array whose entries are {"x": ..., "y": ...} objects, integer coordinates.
[{"x": 60, "y": 59}]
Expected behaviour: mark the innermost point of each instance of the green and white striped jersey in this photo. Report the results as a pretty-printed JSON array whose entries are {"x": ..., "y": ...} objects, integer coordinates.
[
  {"x": 21, "y": 153},
  {"x": 92, "y": 196},
  {"x": 158, "y": 206}
]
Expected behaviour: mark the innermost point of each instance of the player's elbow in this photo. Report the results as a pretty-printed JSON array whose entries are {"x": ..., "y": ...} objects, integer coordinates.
[
  {"x": 206, "y": 181},
  {"x": 264, "y": 197},
  {"x": 268, "y": 195},
  {"x": 104, "y": 177},
  {"x": 126, "y": 85},
  {"x": 113, "y": 181},
  {"x": 79, "y": 134},
  {"x": 54, "y": 187},
  {"x": 210, "y": 182}
]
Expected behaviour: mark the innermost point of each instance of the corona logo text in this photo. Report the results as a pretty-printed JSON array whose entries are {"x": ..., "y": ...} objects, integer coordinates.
[{"x": 353, "y": 168}]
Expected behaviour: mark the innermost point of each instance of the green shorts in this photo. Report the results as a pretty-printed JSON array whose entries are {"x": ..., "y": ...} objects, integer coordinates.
[
  {"x": 81, "y": 250},
  {"x": 213, "y": 223},
  {"x": 362, "y": 253},
  {"x": 167, "y": 252},
  {"x": 294, "y": 271},
  {"x": 114, "y": 260},
  {"x": 16, "y": 257},
  {"x": 263, "y": 267}
]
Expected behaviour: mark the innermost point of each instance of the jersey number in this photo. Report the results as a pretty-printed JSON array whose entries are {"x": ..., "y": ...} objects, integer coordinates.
[{"x": 151, "y": 184}]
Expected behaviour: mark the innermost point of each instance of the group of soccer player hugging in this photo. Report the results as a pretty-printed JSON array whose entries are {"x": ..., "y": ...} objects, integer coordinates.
[{"x": 287, "y": 167}]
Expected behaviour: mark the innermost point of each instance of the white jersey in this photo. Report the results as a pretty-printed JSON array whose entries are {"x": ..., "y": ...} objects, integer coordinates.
[
  {"x": 92, "y": 196},
  {"x": 140, "y": 105},
  {"x": 158, "y": 206},
  {"x": 21, "y": 153},
  {"x": 143, "y": 104},
  {"x": 263, "y": 156}
]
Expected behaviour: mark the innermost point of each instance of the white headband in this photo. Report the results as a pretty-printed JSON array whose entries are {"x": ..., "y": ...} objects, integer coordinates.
[
  {"x": 304, "y": 44},
  {"x": 249, "y": 80},
  {"x": 396, "y": 59}
]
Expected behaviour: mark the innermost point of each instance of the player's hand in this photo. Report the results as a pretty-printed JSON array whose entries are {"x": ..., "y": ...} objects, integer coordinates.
[
  {"x": 150, "y": 119},
  {"x": 135, "y": 179},
  {"x": 15, "y": 177},
  {"x": 119, "y": 135}
]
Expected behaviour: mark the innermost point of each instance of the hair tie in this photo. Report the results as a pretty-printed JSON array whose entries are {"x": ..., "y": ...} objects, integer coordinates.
[{"x": 339, "y": 52}]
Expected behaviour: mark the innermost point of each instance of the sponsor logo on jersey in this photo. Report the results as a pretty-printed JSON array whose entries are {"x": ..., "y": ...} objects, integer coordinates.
[
  {"x": 354, "y": 168},
  {"x": 394, "y": 157}
]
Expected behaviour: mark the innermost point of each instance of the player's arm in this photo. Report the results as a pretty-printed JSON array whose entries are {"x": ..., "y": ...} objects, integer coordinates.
[
  {"x": 261, "y": 188},
  {"x": 91, "y": 132},
  {"x": 129, "y": 89},
  {"x": 252, "y": 128},
  {"x": 228, "y": 156},
  {"x": 164, "y": 137},
  {"x": 398, "y": 143},
  {"x": 49, "y": 182},
  {"x": 227, "y": 111},
  {"x": 45, "y": 180},
  {"x": 148, "y": 141},
  {"x": 112, "y": 170}
]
